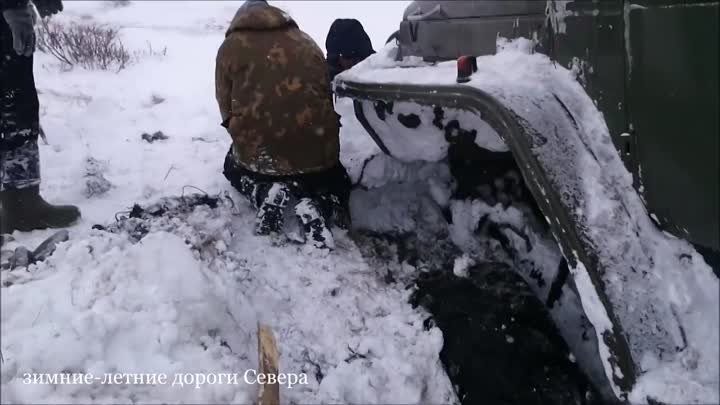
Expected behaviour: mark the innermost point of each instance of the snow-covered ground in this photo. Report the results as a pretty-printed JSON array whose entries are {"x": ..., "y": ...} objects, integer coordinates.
[{"x": 167, "y": 304}]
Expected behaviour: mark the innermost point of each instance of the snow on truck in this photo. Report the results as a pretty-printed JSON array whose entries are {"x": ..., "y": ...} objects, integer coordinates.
[{"x": 606, "y": 112}]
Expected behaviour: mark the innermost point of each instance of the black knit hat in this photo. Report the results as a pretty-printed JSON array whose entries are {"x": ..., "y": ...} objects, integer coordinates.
[{"x": 347, "y": 37}]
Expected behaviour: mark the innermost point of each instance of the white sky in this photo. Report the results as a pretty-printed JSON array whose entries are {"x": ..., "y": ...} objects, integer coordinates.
[{"x": 380, "y": 18}]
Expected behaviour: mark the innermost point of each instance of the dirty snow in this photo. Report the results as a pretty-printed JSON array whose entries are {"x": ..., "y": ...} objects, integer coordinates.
[{"x": 461, "y": 265}]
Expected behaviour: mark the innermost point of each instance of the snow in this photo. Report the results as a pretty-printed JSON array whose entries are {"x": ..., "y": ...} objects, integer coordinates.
[
  {"x": 175, "y": 303},
  {"x": 649, "y": 275},
  {"x": 396, "y": 208},
  {"x": 425, "y": 141},
  {"x": 597, "y": 315},
  {"x": 187, "y": 297},
  {"x": 104, "y": 305},
  {"x": 462, "y": 264},
  {"x": 557, "y": 11},
  {"x": 628, "y": 8}
]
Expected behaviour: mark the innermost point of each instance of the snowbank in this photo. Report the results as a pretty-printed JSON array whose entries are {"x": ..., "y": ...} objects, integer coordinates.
[
  {"x": 104, "y": 305},
  {"x": 186, "y": 299}
]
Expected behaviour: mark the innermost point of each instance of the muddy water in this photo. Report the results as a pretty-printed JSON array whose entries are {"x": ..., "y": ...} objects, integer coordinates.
[{"x": 501, "y": 347}]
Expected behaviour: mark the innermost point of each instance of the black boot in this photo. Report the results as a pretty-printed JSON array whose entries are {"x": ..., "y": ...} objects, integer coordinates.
[
  {"x": 313, "y": 224},
  {"x": 25, "y": 210},
  {"x": 339, "y": 211},
  {"x": 272, "y": 209}
]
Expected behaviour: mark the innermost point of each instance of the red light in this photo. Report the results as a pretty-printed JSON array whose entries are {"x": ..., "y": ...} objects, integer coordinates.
[{"x": 466, "y": 66}]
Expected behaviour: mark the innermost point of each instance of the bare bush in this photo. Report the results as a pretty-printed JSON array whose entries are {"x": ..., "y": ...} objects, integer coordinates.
[
  {"x": 91, "y": 46},
  {"x": 149, "y": 51}
]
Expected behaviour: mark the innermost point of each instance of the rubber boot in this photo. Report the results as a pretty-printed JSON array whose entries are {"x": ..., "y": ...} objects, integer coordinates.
[
  {"x": 313, "y": 224},
  {"x": 271, "y": 210},
  {"x": 25, "y": 210}
]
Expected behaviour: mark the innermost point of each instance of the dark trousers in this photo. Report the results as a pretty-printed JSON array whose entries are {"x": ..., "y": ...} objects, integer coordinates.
[
  {"x": 328, "y": 189},
  {"x": 19, "y": 122}
]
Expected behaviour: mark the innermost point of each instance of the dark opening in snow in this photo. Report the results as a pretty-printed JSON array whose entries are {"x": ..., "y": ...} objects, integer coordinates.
[{"x": 500, "y": 345}]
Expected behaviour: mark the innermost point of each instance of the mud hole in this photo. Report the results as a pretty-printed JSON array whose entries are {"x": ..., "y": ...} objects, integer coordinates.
[{"x": 500, "y": 344}]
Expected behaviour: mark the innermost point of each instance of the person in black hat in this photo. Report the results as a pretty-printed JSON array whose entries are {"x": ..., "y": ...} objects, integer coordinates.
[{"x": 347, "y": 44}]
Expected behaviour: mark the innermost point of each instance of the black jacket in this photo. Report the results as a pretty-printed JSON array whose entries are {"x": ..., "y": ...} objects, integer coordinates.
[
  {"x": 45, "y": 7},
  {"x": 8, "y": 4}
]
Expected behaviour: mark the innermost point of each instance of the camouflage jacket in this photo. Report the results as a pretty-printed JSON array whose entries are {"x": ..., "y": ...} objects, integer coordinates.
[{"x": 271, "y": 84}]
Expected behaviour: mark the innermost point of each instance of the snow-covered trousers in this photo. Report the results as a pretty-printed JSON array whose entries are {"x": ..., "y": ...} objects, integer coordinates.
[
  {"x": 328, "y": 189},
  {"x": 19, "y": 122}
]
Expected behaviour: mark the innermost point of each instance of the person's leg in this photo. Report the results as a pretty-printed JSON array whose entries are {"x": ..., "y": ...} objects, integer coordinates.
[
  {"x": 322, "y": 202},
  {"x": 313, "y": 223},
  {"x": 268, "y": 196},
  {"x": 240, "y": 178},
  {"x": 20, "y": 166},
  {"x": 22, "y": 207},
  {"x": 19, "y": 122},
  {"x": 330, "y": 189},
  {"x": 337, "y": 196},
  {"x": 271, "y": 210}
]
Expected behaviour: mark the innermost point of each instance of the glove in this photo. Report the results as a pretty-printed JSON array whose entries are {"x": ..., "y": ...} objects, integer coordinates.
[
  {"x": 22, "y": 25},
  {"x": 47, "y": 8}
]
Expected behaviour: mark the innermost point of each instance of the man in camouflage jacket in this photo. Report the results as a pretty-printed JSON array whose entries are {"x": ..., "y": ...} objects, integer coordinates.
[
  {"x": 21, "y": 206},
  {"x": 275, "y": 100}
]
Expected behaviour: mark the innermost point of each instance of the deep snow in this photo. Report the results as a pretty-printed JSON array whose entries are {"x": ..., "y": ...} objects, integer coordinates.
[{"x": 186, "y": 299}]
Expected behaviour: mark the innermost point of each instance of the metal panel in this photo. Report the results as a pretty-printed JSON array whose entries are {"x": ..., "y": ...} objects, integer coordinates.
[
  {"x": 674, "y": 110},
  {"x": 447, "y": 39},
  {"x": 593, "y": 45},
  {"x": 464, "y": 9}
]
